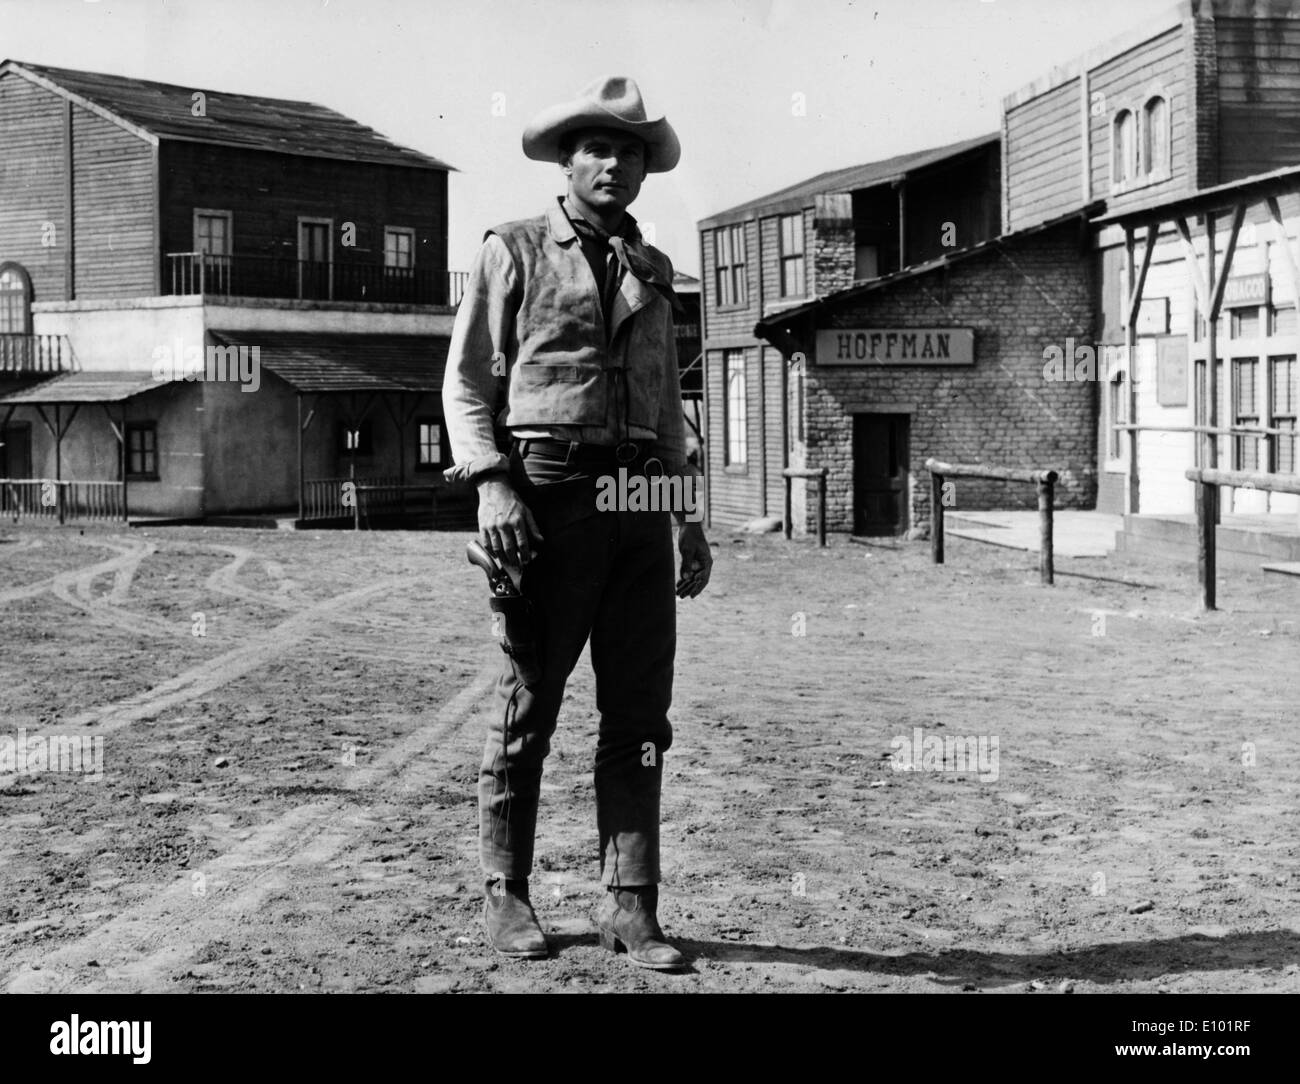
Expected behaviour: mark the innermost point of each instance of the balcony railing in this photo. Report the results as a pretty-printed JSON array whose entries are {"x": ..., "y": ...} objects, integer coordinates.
[
  {"x": 308, "y": 280},
  {"x": 21, "y": 354},
  {"x": 48, "y": 499}
]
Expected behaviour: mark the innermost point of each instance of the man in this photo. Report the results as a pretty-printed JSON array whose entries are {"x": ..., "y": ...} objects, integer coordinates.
[{"x": 563, "y": 348}]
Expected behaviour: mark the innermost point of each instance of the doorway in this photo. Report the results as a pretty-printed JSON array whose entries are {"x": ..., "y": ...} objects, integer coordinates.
[{"x": 880, "y": 466}]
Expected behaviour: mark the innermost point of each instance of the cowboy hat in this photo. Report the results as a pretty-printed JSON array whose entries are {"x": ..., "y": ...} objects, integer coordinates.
[{"x": 612, "y": 101}]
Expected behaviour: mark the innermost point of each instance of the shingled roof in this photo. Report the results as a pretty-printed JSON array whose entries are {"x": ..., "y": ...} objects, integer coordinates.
[
  {"x": 163, "y": 111},
  {"x": 847, "y": 180}
]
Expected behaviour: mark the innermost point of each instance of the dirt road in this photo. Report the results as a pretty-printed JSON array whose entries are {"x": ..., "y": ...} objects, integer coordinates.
[{"x": 291, "y": 728}]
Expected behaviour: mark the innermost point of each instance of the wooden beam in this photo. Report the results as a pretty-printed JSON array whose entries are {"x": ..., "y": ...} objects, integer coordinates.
[
  {"x": 1139, "y": 284},
  {"x": 1193, "y": 266},
  {"x": 1221, "y": 279},
  {"x": 69, "y": 209}
]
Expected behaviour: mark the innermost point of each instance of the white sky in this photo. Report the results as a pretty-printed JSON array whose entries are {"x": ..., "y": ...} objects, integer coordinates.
[{"x": 879, "y": 78}]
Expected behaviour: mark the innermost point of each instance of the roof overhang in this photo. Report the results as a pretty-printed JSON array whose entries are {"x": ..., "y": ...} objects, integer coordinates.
[
  {"x": 109, "y": 386},
  {"x": 1247, "y": 190}
]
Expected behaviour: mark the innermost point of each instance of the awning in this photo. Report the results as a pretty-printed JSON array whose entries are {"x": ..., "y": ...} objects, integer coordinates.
[
  {"x": 85, "y": 387},
  {"x": 321, "y": 362}
]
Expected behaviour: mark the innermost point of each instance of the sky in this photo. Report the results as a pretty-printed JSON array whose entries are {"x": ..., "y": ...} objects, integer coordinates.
[{"x": 762, "y": 93}]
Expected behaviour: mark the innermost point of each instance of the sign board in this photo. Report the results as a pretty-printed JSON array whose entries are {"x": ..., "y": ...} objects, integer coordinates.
[
  {"x": 1153, "y": 316},
  {"x": 1246, "y": 291},
  {"x": 896, "y": 346},
  {"x": 1171, "y": 370}
]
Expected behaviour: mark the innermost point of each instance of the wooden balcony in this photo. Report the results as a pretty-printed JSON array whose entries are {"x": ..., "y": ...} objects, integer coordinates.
[
  {"x": 22, "y": 355},
  {"x": 305, "y": 280}
]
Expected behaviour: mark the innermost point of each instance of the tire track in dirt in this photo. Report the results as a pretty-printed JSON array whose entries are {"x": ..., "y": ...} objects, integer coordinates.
[
  {"x": 140, "y": 949},
  {"x": 127, "y": 554},
  {"x": 202, "y": 678}
]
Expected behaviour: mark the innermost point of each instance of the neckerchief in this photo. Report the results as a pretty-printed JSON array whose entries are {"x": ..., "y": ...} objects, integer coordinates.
[{"x": 630, "y": 250}]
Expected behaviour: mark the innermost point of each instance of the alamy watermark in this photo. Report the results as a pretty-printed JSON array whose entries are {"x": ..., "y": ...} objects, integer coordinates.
[
  {"x": 80, "y": 753},
  {"x": 970, "y": 754},
  {"x": 637, "y": 492},
  {"x": 234, "y": 364}
]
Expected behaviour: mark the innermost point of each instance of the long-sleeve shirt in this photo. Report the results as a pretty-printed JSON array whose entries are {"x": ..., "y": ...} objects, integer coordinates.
[{"x": 484, "y": 348}]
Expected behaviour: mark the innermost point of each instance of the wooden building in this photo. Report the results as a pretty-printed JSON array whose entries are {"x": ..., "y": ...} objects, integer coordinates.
[
  {"x": 1114, "y": 172},
  {"x": 148, "y": 231},
  {"x": 1187, "y": 128},
  {"x": 778, "y": 252}
]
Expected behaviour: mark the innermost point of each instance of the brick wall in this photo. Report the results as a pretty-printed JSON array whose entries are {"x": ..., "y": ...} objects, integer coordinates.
[
  {"x": 833, "y": 255},
  {"x": 1001, "y": 410},
  {"x": 1205, "y": 103}
]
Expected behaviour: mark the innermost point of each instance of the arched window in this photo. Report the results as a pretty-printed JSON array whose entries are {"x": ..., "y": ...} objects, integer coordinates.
[
  {"x": 1155, "y": 135},
  {"x": 1124, "y": 147},
  {"x": 15, "y": 300}
]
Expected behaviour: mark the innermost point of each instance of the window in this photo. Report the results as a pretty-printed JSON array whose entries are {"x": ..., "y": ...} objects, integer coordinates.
[
  {"x": 430, "y": 452},
  {"x": 1123, "y": 163},
  {"x": 1155, "y": 136},
  {"x": 1117, "y": 409},
  {"x": 356, "y": 439},
  {"x": 1282, "y": 321},
  {"x": 1244, "y": 323},
  {"x": 792, "y": 265},
  {"x": 399, "y": 248},
  {"x": 315, "y": 258},
  {"x": 1286, "y": 394},
  {"x": 142, "y": 450},
  {"x": 729, "y": 265},
  {"x": 1245, "y": 411},
  {"x": 212, "y": 232},
  {"x": 735, "y": 431},
  {"x": 15, "y": 300}
]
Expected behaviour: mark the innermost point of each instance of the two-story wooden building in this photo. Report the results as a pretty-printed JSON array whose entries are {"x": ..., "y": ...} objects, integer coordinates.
[
  {"x": 213, "y": 303},
  {"x": 1187, "y": 128},
  {"x": 771, "y": 255}
]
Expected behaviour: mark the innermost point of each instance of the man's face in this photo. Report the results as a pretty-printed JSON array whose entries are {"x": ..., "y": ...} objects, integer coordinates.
[{"x": 606, "y": 168}]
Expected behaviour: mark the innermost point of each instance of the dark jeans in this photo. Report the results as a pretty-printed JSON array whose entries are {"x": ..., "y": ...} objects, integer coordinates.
[{"x": 608, "y": 576}]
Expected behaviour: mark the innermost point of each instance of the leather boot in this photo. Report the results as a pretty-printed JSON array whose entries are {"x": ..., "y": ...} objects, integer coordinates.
[
  {"x": 627, "y": 922},
  {"x": 512, "y": 927}
]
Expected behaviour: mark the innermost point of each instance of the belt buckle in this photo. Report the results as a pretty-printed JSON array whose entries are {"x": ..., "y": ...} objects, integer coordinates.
[{"x": 626, "y": 452}]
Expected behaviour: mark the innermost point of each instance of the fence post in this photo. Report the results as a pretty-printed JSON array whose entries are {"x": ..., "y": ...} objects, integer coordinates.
[
  {"x": 1207, "y": 501},
  {"x": 1046, "y": 566},
  {"x": 936, "y": 518},
  {"x": 821, "y": 507},
  {"x": 789, "y": 505}
]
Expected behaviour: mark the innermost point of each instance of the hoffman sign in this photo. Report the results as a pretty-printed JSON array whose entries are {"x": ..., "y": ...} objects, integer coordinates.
[{"x": 896, "y": 346}]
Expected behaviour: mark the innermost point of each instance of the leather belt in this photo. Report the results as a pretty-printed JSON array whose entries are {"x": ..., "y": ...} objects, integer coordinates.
[{"x": 572, "y": 451}]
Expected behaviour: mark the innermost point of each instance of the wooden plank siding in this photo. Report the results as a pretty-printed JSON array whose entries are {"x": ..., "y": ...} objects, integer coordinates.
[
  {"x": 734, "y": 494},
  {"x": 1127, "y": 81},
  {"x": 1044, "y": 158},
  {"x": 32, "y": 184},
  {"x": 112, "y": 172},
  {"x": 737, "y": 322},
  {"x": 267, "y": 193},
  {"x": 1259, "y": 95}
]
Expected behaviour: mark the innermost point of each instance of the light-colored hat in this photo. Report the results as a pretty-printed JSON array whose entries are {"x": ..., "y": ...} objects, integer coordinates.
[{"x": 613, "y": 101}]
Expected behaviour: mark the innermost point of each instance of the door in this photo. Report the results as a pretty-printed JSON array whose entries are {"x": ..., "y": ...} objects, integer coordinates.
[
  {"x": 16, "y": 450},
  {"x": 880, "y": 473},
  {"x": 315, "y": 259}
]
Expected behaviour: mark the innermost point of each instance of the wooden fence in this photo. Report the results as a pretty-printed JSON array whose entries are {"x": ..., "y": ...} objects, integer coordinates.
[
  {"x": 51, "y": 499},
  {"x": 1207, "y": 515},
  {"x": 1044, "y": 480}
]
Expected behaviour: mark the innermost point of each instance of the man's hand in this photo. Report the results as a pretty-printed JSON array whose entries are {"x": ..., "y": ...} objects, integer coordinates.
[
  {"x": 506, "y": 526},
  {"x": 697, "y": 560}
]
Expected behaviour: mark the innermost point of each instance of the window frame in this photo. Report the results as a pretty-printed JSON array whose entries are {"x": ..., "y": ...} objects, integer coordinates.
[
  {"x": 734, "y": 272},
  {"x": 365, "y": 431},
  {"x": 735, "y": 365},
  {"x": 25, "y": 305},
  {"x": 1153, "y": 172},
  {"x": 1275, "y": 417},
  {"x": 444, "y": 449},
  {"x": 142, "y": 475},
  {"x": 212, "y": 212},
  {"x": 790, "y": 258},
  {"x": 399, "y": 231}
]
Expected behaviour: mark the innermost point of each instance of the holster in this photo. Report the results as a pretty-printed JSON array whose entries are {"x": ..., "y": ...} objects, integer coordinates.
[{"x": 519, "y": 638}]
